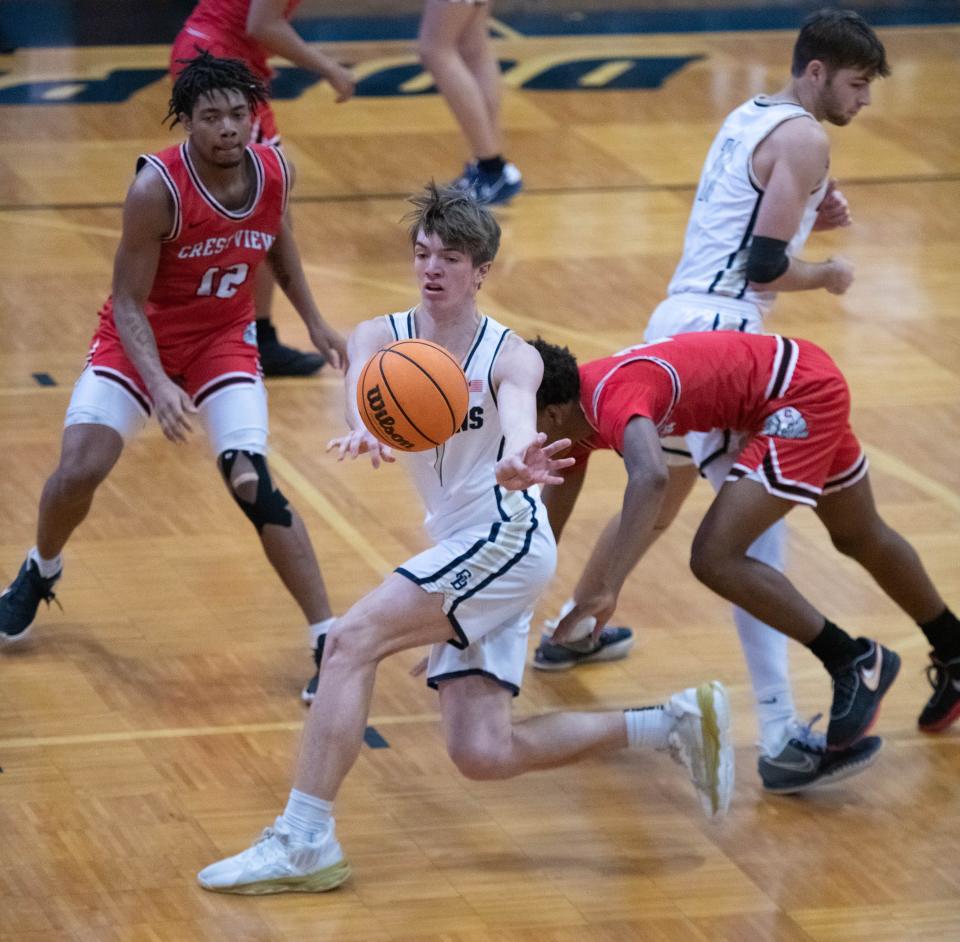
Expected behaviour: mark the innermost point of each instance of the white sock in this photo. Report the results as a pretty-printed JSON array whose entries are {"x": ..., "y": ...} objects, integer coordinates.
[
  {"x": 648, "y": 727},
  {"x": 320, "y": 628},
  {"x": 306, "y": 815},
  {"x": 48, "y": 567},
  {"x": 582, "y": 630},
  {"x": 775, "y": 713},
  {"x": 766, "y": 652}
]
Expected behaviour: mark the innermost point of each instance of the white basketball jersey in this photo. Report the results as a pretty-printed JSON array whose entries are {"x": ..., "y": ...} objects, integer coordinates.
[
  {"x": 724, "y": 213},
  {"x": 456, "y": 480}
]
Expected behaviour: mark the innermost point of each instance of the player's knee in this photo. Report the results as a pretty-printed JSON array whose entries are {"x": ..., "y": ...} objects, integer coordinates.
[
  {"x": 481, "y": 759},
  {"x": 247, "y": 476},
  {"x": 349, "y": 644},
  {"x": 708, "y": 564},
  {"x": 861, "y": 542},
  {"x": 81, "y": 477}
]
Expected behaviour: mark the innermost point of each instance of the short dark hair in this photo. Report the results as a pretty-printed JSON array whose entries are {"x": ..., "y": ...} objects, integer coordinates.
[
  {"x": 841, "y": 39},
  {"x": 561, "y": 378},
  {"x": 205, "y": 73},
  {"x": 462, "y": 223}
]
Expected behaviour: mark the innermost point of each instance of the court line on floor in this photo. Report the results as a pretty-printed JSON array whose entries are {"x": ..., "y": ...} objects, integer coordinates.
[
  {"x": 895, "y": 467},
  {"x": 682, "y": 187},
  {"x": 332, "y": 517}
]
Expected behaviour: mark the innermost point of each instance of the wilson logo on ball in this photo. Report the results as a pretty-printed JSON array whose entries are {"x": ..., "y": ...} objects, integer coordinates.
[{"x": 412, "y": 395}]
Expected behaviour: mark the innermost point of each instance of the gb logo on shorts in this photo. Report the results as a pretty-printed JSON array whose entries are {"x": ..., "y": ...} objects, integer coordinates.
[
  {"x": 460, "y": 579},
  {"x": 786, "y": 423}
]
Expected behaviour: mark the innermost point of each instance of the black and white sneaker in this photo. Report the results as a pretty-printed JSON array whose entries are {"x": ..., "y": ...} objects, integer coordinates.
[
  {"x": 19, "y": 603},
  {"x": 613, "y": 644},
  {"x": 804, "y": 763},
  {"x": 497, "y": 189},
  {"x": 310, "y": 689},
  {"x": 858, "y": 688}
]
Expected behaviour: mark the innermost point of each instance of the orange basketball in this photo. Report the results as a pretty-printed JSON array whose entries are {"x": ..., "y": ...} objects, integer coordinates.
[{"x": 412, "y": 395}]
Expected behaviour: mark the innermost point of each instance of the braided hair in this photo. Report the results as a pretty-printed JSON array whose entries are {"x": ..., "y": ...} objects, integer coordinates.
[{"x": 205, "y": 74}]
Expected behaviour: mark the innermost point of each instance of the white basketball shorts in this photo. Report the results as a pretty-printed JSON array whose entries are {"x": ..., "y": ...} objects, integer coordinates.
[{"x": 490, "y": 578}]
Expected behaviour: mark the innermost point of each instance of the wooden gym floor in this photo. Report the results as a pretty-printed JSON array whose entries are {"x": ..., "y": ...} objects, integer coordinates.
[{"x": 150, "y": 727}]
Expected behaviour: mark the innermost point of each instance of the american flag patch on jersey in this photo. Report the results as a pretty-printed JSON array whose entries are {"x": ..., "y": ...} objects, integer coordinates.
[{"x": 476, "y": 385}]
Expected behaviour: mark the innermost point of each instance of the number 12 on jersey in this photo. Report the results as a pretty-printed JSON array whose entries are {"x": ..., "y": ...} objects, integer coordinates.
[{"x": 222, "y": 282}]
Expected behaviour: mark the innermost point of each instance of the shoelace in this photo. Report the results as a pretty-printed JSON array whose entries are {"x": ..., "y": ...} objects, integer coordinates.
[
  {"x": 937, "y": 675},
  {"x": 804, "y": 734},
  {"x": 846, "y": 684}
]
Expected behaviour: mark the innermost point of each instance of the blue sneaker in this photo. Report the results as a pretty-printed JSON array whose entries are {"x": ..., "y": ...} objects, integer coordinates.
[
  {"x": 467, "y": 178},
  {"x": 613, "y": 644},
  {"x": 497, "y": 189},
  {"x": 804, "y": 762}
]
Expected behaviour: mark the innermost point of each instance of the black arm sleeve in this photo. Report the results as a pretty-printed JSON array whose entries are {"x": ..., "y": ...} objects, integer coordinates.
[{"x": 767, "y": 260}]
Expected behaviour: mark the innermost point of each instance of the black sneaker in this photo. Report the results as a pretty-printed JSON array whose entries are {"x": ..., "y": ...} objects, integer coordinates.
[
  {"x": 310, "y": 690},
  {"x": 858, "y": 689},
  {"x": 613, "y": 644},
  {"x": 804, "y": 762},
  {"x": 943, "y": 707},
  {"x": 277, "y": 359},
  {"x": 19, "y": 603}
]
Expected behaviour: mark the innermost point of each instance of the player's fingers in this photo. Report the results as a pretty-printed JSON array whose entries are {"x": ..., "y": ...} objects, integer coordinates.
[{"x": 561, "y": 444}]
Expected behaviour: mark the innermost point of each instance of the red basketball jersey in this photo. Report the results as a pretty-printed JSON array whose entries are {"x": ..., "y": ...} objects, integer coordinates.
[
  {"x": 204, "y": 280},
  {"x": 690, "y": 383},
  {"x": 223, "y": 23}
]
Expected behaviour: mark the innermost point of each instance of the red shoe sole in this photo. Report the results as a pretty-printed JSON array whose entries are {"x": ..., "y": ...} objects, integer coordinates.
[{"x": 941, "y": 725}]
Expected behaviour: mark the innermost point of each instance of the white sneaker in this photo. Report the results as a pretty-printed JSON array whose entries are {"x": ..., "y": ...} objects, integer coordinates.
[
  {"x": 276, "y": 865},
  {"x": 700, "y": 742}
]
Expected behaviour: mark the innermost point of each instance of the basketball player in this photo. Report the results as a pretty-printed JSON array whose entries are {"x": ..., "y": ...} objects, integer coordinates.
[
  {"x": 177, "y": 335},
  {"x": 765, "y": 185},
  {"x": 253, "y": 30},
  {"x": 791, "y": 404},
  {"x": 455, "y": 48},
  {"x": 471, "y": 595}
]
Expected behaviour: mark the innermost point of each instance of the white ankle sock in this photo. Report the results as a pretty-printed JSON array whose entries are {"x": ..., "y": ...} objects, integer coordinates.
[
  {"x": 648, "y": 727},
  {"x": 320, "y": 628},
  {"x": 48, "y": 567},
  {"x": 305, "y": 815},
  {"x": 775, "y": 712}
]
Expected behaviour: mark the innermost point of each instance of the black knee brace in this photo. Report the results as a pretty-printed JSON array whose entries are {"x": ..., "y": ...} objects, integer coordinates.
[{"x": 270, "y": 506}]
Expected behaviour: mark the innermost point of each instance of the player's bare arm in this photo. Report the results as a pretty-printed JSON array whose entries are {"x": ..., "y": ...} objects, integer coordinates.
[
  {"x": 147, "y": 218},
  {"x": 612, "y": 560},
  {"x": 284, "y": 259},
  {"x": 267, "y": 24},
  {"x": 527, "y": 457},
  {"x": 560, "y": 499},
  {"x": 365, "y": 340},
  {"x": 789, "y": 165}
]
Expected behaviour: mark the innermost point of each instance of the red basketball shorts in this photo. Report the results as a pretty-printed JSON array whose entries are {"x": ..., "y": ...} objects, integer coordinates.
[{"x": 804, "y": 446}]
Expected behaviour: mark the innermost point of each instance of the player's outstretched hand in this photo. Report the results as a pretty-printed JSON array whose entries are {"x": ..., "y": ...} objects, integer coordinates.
[
  {"x": 331, "y": 344},
  {"x": 600, "y": 605},
  {"x": 172, "y": 405},
  {"x": 535, "y": 464},
  {"x": 834, "y": 211},
  {"x": 360, "y": 442}
]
